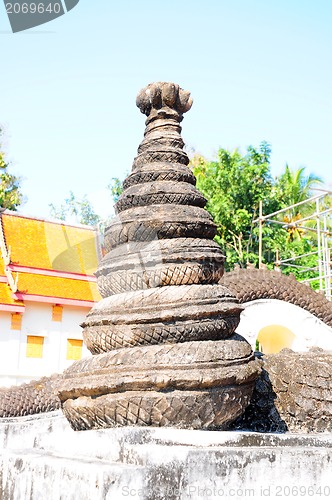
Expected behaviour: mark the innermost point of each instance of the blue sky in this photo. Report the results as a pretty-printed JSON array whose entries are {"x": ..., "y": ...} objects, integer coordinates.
[{"x": 257, "y": 70}]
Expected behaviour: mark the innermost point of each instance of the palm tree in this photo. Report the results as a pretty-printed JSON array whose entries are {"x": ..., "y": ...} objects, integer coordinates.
[{"x": 293, "y": 187}]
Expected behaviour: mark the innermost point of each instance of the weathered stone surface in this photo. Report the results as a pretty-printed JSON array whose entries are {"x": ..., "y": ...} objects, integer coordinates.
[
  {"x": 163, "y": 99},
  {"x": 161, "y": 315},
  {"x": 294, "y": 393},
  {"x": 201, "y": 409},
  {"x": 160, "y": 171},
  {"x": 38, "y": 396},
  {"x": 166, "y": 295},
  {"x": 158, "y": 193},
  {"x": 191, "y": 385},
  {"x": 159, "y": 222},
  {"x": 253, "y": 284},
  {"x": 142, "y": 265},
  {"x": 162, "y": 141},
  {"x": 182, "y": 366},
  {"x": 43, "y": 458}
]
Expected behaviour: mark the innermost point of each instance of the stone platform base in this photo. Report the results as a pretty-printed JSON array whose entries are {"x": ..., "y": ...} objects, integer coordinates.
[{"x": 43, "y": 458}]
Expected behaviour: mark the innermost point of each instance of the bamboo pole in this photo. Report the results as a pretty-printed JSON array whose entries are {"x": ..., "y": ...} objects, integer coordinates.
[
  {"x": 293, "y": 206},
  {"x": 260, "y": 242},
  {"x": 319, "y": 247}
]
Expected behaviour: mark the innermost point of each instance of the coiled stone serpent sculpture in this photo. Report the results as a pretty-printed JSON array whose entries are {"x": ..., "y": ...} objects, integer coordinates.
[{"x": 162, "y": 338}]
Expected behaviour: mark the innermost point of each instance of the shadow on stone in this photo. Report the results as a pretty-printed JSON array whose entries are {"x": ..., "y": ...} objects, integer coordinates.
[{"x": 261, "y": 415}]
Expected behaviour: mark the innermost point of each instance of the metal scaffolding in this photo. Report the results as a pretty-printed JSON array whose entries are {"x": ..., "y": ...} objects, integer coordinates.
[{"x": 320, "y": 217}]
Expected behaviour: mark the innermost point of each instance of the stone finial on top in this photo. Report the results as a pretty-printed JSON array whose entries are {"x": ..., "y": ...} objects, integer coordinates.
[{"x": 163, "y": 97}]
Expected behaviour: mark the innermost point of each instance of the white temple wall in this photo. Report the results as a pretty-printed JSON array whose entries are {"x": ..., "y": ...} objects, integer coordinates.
[{"x": 15, "y": 366}]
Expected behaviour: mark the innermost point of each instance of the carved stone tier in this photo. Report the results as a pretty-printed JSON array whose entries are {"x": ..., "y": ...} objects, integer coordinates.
[
  {"x": 159, "y": 222},
  {"x": 160, "y": 171},
  {"x": 161, "y": 315},
  {"x": 190, "y": 385},
  {"x": 160, "y": 192},
  {"x": 169, "y": 154},
  {"x": 142, "y": 265}
]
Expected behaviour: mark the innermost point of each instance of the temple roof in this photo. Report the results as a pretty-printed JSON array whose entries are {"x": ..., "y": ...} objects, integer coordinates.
[
  {"x": 61, "y": 247},
  {"x": 47, "y": 261},
  {"x": 7, "y": 302}
]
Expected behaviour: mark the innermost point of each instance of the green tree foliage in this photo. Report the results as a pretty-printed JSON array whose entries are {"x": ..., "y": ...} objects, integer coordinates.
[
  {"x": 80, "y": 210},
  {"x": 10, "y": 193},
  {"x": 294, "y": 186},
  {"x": 115, "y": 187},
  {"x": 301, "y": 267},
  {"x": 234, "y": 185}
]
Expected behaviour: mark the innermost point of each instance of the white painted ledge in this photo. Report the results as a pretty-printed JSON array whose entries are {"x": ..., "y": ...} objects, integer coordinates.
[{"x": 43, "y": 458}]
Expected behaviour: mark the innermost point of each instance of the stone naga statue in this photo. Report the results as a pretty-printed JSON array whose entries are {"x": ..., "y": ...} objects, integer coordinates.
[
  {"x": 165, "y": 352},
  {"x": 162, "y": 338},
  {"x": 163, "y": 334}
]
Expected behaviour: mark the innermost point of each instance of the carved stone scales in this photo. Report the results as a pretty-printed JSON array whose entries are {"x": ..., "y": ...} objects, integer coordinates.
[{"x": 163, "y": 334}]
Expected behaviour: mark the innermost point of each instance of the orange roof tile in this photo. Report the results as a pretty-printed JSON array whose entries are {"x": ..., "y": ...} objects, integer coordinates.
[
  {"x": 50, "y": 245},
  {"x": 6, "y": 296},
  {"x": 51, "y": 286},
  {"x": 2, "y": 266}
]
